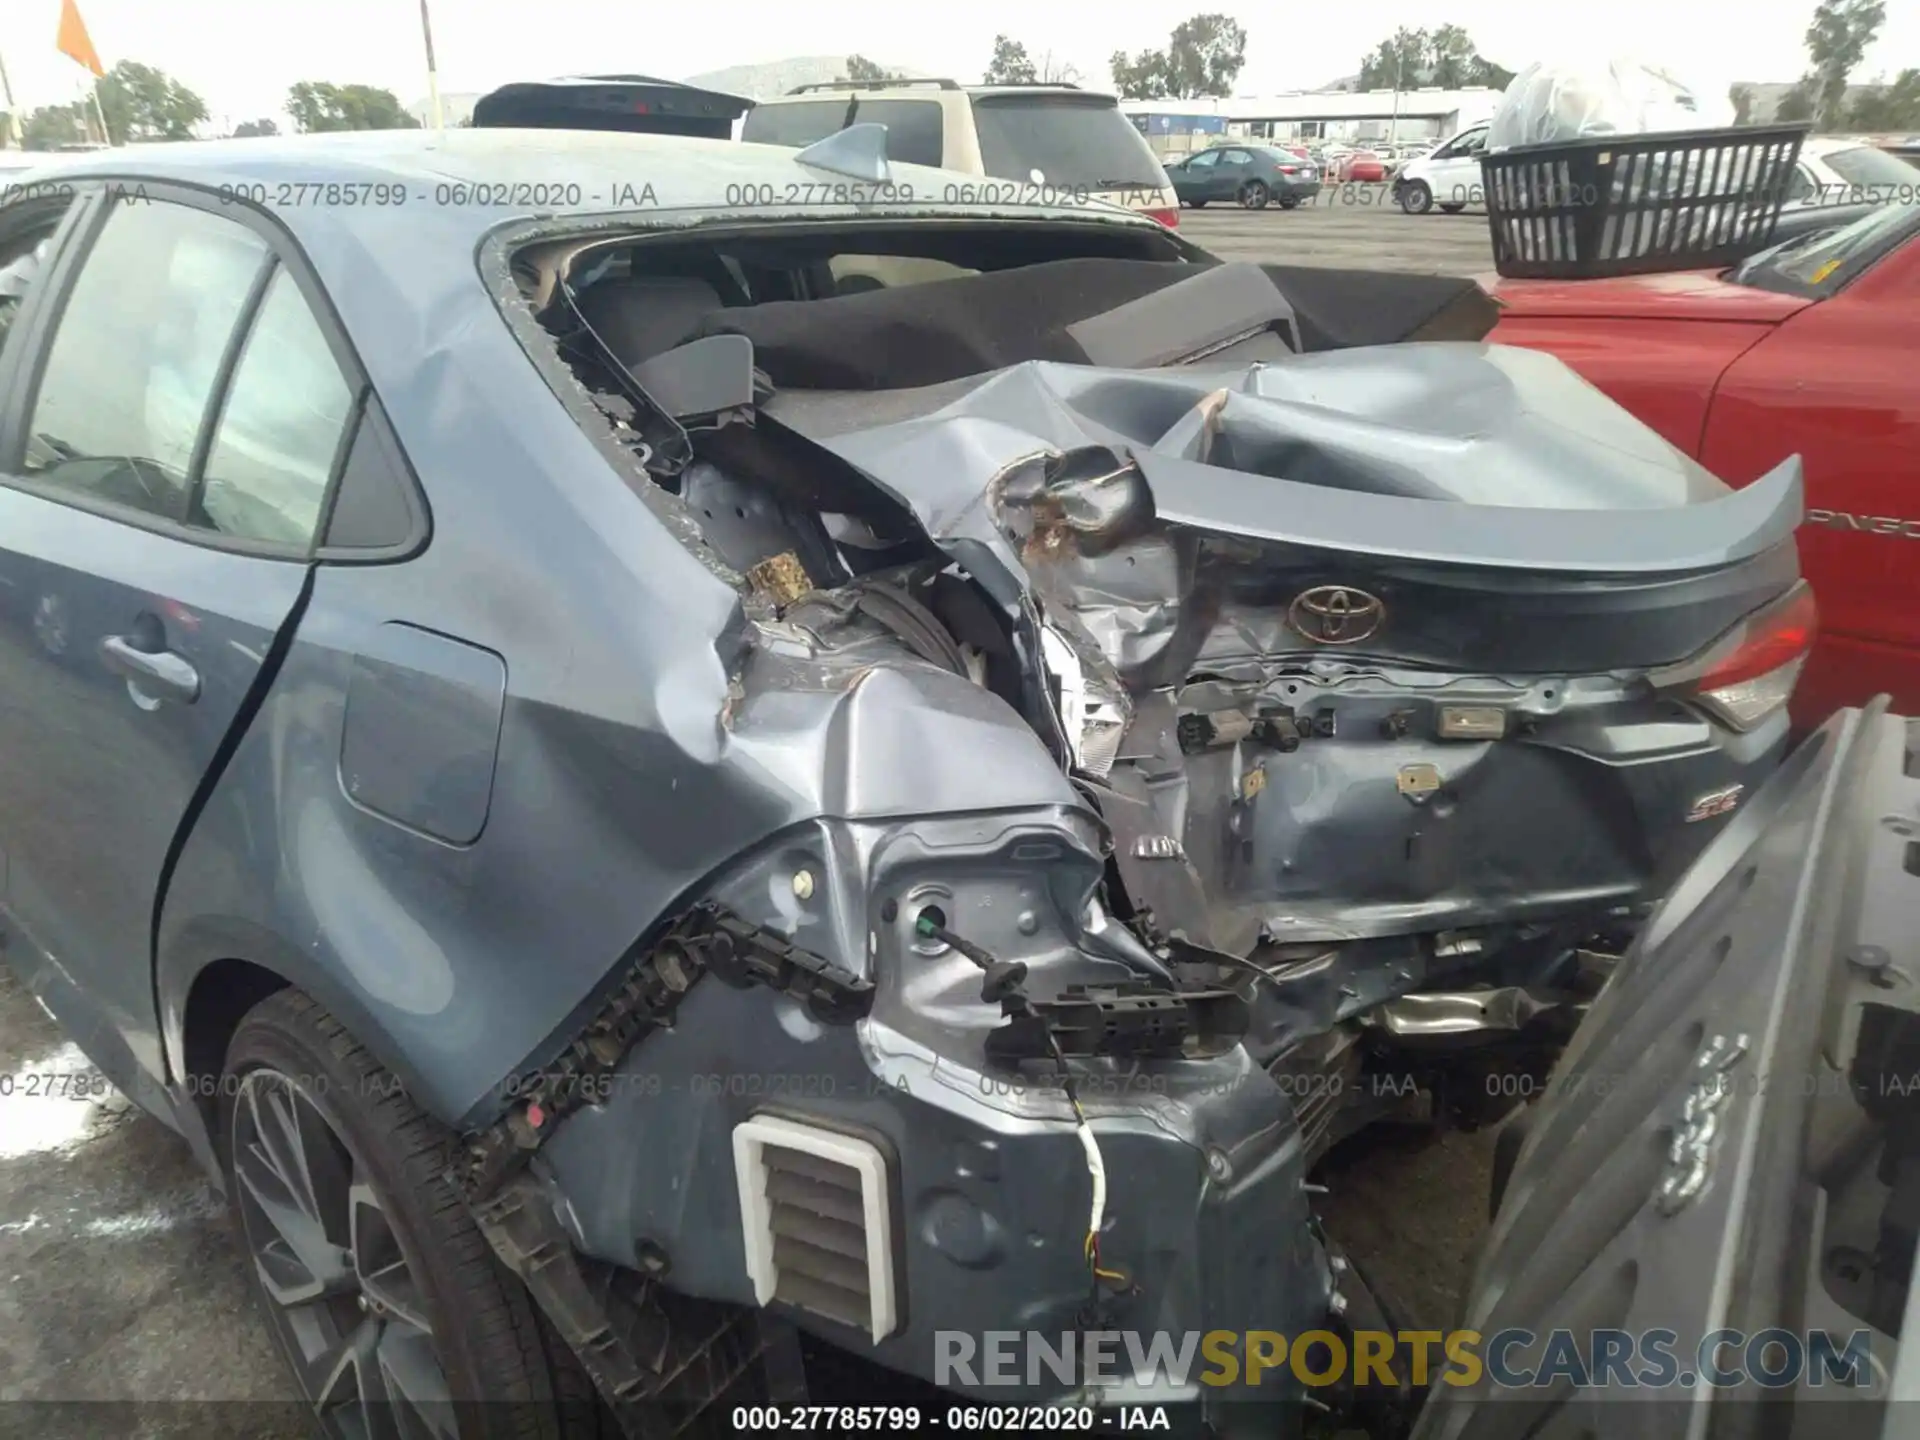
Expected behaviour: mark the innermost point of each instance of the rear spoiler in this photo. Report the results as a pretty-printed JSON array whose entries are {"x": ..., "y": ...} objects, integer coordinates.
[{"x": 1705, "y": 536}]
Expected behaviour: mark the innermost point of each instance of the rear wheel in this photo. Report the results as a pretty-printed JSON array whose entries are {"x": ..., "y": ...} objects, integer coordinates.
[
  {"x": 1417, "y": 198},
  {"x": 386, "y": 1300},
  {"x": 1254, "y": 195},
  {"x": 1195, "y": 204}
]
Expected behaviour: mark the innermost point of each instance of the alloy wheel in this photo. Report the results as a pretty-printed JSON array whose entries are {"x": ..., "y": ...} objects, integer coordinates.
[
  {"x": 342, "y": 1295},
  {"x": 1254, "y": 196}
]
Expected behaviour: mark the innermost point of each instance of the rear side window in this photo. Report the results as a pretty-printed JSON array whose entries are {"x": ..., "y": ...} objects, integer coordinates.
[
  {"x": 794, "y": 122},
  {"x": 151, "y": 399},
  {"x": 915, "y": 135},
  {"x": 280, "y": 428},
  {"x": 1071, "y": 140},
  {"x": 131, "y": 371},
  {"x": 1868, "y": 165}
]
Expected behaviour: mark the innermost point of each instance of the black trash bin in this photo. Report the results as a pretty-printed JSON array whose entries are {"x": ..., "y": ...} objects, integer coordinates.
[{"x": 1633, "y": 204}]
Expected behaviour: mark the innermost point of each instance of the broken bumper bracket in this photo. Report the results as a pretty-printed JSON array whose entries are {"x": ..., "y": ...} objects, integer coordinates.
[
  {"x": 1133, "y": 1022},
  {"x": 706, "y": 939}
]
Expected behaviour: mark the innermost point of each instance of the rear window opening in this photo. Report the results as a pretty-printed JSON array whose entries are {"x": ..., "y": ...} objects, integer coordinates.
[
  {"x": 749, "y": 486},
  {"x": 782, "y": 512},
  {"x": 1081, "y": 141},
  {"x": 646, "y": 296}
]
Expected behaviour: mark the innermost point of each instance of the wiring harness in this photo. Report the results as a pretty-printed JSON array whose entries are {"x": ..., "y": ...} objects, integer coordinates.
[{"x": 1001, "y": 985}]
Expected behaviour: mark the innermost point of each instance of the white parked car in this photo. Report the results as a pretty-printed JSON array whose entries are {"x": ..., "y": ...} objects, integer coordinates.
[
  {"x": 1447, "y": 176},
  {"x": 1833, "y": 170},
  {"x": 1837, "y": 170}
]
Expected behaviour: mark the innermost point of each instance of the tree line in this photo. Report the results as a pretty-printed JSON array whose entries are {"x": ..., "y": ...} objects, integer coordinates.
[
  {"x": 1202, "y": 57},
  {"x": 1205, "y": 54},
  {"x": 1838, "y": 38},
  {"x": 140, "y": 103}
]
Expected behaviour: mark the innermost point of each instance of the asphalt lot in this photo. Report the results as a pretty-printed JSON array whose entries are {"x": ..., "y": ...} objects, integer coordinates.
[
  {"x": 1353, "y": 227},
  {"x": 120, "y": 1279}
]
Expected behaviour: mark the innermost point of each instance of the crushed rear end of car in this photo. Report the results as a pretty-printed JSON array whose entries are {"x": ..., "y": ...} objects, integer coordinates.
[{"x": 1168, "y": 712}]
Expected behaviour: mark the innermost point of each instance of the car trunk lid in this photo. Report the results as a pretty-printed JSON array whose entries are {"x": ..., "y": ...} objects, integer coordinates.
[{"x": 1499, "y": 514}]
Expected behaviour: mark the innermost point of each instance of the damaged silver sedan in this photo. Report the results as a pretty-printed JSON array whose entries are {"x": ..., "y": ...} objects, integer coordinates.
[{"x": 816, "y": 777}]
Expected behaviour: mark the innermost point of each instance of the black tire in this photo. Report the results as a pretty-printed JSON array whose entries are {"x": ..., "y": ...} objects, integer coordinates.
[
  {"x": 405, "y": 1282},
  {"x": 1416, "y": 198},
  {"x": 1292, "y": 202},
  {"x": 1454, "y": 207},
  {"x": 1196, "y": 204},
  {"x": 1254, "y": 195}
]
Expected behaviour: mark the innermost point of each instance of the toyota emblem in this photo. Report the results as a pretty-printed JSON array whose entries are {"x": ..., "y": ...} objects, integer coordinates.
[{"x": 1336, "y": 614}]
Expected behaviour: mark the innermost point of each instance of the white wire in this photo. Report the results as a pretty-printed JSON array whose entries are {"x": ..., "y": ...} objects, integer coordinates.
[{"x": 1097, "y": 1169}]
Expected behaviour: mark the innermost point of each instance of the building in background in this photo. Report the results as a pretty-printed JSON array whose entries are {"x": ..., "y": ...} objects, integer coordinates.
[{"x": 1174, "y": 127}]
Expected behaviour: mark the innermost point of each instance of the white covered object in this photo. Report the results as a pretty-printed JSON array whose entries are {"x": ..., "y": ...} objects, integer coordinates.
[{"x": 1555, "y": 101}]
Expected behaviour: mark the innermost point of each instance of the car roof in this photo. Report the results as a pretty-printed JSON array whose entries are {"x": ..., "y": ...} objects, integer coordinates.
[
  {"x": 922, "y": 89},
  {"x": 1818, "y": 147},
  {"x": 456, "y": 186},
  {"x": 682, "y": 172},
  {"x": 403, "y": 278},
  {"x": 1040, "y": 89}
]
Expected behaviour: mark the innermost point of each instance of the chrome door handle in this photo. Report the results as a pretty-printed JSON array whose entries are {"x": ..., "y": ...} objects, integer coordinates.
[{"x": 160, "y": 674}]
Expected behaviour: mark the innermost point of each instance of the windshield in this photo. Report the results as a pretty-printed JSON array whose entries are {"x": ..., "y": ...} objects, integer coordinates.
[
  {"x": 1866, "y": 165},
  {"x": 1071, "y": 140},
  {"x": 1822, "y": 262}
]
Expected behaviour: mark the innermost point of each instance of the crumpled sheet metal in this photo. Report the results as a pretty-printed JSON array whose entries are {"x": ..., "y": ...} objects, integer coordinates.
[
  {"x": 1107, "y": 492},
  {"x": 1451, "y": 453}
]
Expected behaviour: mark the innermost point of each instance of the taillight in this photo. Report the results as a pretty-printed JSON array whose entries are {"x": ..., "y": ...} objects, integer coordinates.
[
  {"x": 1749, "y": 673},
  {"x": 1289, "y": 170},
  {"x": 1168, "y": 218}
]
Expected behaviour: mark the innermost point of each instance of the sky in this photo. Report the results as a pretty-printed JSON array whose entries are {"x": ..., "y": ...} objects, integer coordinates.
[{"x": 241, "y": 55}]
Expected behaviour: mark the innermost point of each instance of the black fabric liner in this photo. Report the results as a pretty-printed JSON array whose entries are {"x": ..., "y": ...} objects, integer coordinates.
[{"x": 945, "y": 329}]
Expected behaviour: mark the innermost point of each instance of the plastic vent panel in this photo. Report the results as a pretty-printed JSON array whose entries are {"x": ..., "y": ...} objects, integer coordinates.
[
  {"x": 1634, "y": 204},
  {"x": 815, "y": 1212}
]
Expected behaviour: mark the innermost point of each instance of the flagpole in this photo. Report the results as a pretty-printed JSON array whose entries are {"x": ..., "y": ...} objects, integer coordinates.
[
  {"x": 433, "y": 75},
  {"x": 15, "y": 131},
  {"x": 106, "y": 135}
]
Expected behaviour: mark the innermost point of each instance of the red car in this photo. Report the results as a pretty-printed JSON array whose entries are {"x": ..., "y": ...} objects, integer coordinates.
[
  {"x": 1362, "y": 167},
  {"x": 1811, "y": 348}
]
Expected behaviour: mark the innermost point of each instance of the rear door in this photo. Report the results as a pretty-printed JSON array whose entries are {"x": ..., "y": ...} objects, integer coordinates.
[
  {"x": 1203, "y": 176},
  {"x": 1454, "y": 169},
  {"x": 1236, "y": 169},
  {"x": 173, "y": 423}
]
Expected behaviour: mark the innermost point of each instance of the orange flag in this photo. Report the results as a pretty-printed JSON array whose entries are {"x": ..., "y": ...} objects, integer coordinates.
[{"x": 74, "y": 42}]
